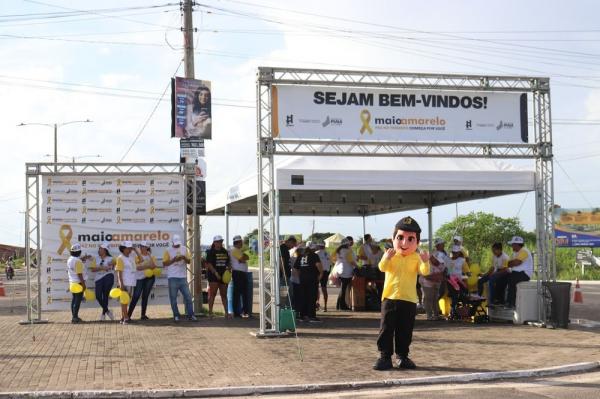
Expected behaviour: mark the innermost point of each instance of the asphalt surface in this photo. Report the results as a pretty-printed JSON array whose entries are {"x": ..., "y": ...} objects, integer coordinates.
[
  {"x": 564, "y": 387},
  {"x": 584, "y": 316}
]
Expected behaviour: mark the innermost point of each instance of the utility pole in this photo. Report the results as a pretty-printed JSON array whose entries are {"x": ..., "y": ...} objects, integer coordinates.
[
  {"x": 193, "y": 223},
  {"x": 188, "y": 39}
]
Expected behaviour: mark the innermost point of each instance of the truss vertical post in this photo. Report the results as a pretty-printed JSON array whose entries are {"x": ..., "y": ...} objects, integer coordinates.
[
  {"x": 268, "y": 217},
  {"x": 544, "y": 193},
  {"x": 33, "y": 257}
]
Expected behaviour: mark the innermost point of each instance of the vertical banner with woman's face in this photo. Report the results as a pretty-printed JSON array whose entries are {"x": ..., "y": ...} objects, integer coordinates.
[{"x": 191, "y": 108}]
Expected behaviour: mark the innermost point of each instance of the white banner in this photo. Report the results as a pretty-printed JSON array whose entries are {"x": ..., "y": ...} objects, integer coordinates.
[
  {"x": 93, "y": 210},
  {"x": 314, "y": 112}
]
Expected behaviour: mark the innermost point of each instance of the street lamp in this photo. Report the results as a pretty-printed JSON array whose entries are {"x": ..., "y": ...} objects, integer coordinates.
[{"x": 55, "y": 126}]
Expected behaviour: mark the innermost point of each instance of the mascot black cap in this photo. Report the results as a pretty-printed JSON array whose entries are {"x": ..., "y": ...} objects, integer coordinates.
[{"x": 408, "y": 224}]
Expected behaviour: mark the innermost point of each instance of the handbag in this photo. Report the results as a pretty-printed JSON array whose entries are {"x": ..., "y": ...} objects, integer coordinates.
[{"x": 334, "y": 279}]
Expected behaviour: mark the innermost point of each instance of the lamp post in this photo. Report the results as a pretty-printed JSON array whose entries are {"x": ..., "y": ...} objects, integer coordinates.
[{"x": 55, "y": 126}]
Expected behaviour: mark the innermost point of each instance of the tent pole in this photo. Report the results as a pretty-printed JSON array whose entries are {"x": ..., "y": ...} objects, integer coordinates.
[
  {"x": 226, "y": 225},
  {"x": 364, "y": 225},
  {"x": 430, "y": 221}
]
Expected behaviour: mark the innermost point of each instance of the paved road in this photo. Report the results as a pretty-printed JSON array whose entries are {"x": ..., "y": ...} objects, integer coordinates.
[
  {"x": 590, "y": 308},
  {"x": 563, "y": 387}
]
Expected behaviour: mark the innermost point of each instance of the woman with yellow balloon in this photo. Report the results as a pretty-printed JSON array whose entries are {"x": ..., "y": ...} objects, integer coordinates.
[
  {"x": 102, "y": 266},
  {"x": 145, "y": 264},
  {"x": 76, "y": 273},
  {"x": 218, "y": 264},
  {"x": 126, "y": 280}
]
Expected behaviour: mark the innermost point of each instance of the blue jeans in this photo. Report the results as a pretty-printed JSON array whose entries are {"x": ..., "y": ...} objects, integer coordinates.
[
  {"x": 491, "y": 280},
  {"x": 103, "y": 287},
  {"x": 142, "y": 289},
  {"x": 180, "y": 284}
]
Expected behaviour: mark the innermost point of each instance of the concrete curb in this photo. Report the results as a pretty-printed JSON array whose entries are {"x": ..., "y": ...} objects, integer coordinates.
[{"x": 305, "y": 388}]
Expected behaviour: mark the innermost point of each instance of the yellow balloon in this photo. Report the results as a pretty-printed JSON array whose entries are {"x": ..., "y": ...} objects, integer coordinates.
[
  {"x": 115, "y": 293},
  {"x": 89, "y": 295},
  {"x": 226, "y": 277},
  {"x": 157, "y": 272},
  {"x": 444, "y": 304},
  {"x": 124, "y": 299},
  {"x": 148, "y": 272},
  {"x": 75, "y": 288}
]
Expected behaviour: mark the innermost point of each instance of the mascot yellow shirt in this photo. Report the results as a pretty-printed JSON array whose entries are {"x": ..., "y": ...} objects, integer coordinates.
[{"x": 401, "y": 276}]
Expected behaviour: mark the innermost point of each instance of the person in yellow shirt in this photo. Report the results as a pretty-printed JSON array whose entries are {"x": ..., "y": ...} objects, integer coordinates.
[
  {"x": 401, "y": 265},
  {"x": 144, "y": 260}
]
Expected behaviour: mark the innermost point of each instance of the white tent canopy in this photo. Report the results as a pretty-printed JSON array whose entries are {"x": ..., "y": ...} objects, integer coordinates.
[
  {"x": 334, "y": 240},
  {"x": 358, "y": 186}
]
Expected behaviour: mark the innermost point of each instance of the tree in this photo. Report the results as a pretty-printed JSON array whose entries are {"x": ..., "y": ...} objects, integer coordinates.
[
  {"x": 480, "y": 230},
  {"x": 252, "y": 234}
]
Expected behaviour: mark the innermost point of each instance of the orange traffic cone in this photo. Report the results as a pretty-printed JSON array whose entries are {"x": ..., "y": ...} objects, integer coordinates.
[
  {"x": 578, "y": 296},
  {"x": 2, "y": 293}
]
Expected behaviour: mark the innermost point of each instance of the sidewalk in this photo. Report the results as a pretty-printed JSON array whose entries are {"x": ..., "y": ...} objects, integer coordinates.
[{"x": 217, "y": 352}]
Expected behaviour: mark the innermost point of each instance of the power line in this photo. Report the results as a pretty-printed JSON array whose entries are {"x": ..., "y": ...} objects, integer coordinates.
[
  {"x": 372, "y": 32},
  {"x": 581, "y": 157},
  {"x": 592, "y": 78},
  {"x": 93, "y": 18},
  {"x": 362, "y": 22},
  {"x": 420, "y": 52},
  {"x": 574, "y": 184},
  {"x": 82, "y": 40},
  {"x": 151, "y": 114},
  {"x": 68, "y": 14},
  {"x": 102, "y": 14},
  {"x": 109, "y": 33},
  {"x": 133, "y": 96}
]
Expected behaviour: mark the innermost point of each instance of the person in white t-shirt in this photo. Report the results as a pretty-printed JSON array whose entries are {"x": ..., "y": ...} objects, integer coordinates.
[
  {"x": 175, "y": 261},
  {"x": 104, "y": 278},
  {"x": 498, "y": 269},
  {"x": 344, "y": 268},
  {"x": 239, "y": 277},
  {"x": 125, "y": 268},
  {"x": 76, "y": 273},
  {"x": 520, "y": 268}
]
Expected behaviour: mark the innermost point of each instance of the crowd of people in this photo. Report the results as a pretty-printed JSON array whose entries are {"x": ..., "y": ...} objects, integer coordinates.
[
  {"x": 307, "y": 266},
  {"x": 307, "y": 269},
  {"x": 135, "y": 268}
]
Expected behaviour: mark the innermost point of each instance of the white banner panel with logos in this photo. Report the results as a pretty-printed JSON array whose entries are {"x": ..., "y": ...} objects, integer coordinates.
[
  {"x": 113, "y": 209},
  {"x": 315, "y": 112}
]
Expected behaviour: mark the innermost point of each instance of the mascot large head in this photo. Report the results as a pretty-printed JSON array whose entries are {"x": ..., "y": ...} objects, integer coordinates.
[{"x": 407, "y": 235}]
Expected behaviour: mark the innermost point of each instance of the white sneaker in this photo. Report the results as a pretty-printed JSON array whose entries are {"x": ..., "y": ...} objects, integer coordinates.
[
  {"x": 110, "y": 315},
  {"x": 102, "y": 317},
  {"x": 176, "y": 318}
]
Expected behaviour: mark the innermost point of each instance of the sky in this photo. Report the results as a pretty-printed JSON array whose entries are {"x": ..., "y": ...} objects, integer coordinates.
[{"x": 111, "y": 62}]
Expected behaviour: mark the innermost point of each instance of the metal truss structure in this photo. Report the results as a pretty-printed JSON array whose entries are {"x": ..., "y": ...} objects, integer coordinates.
[
  {"x": 33, "y": 244},
  {"x": 268, "y": 147}
]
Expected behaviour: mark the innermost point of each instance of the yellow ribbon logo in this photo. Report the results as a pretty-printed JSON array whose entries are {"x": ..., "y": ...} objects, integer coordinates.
[
  {"x": 65, "y": 233},
  {"x": 365, "y": 118}
]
